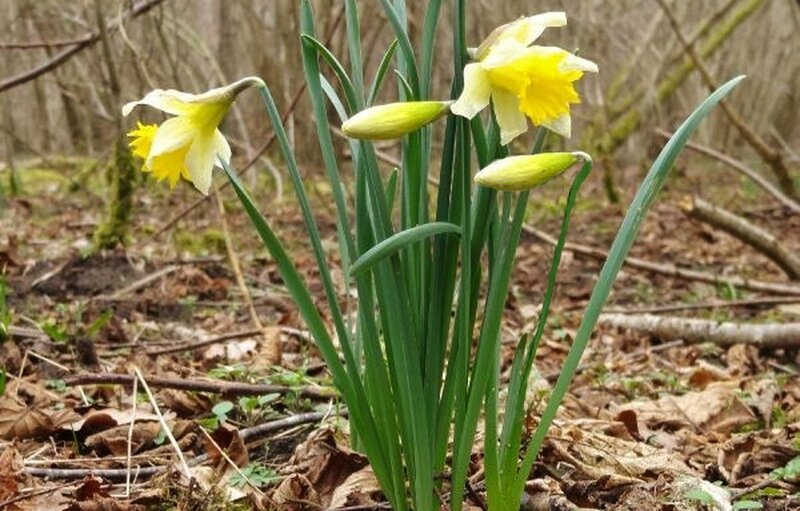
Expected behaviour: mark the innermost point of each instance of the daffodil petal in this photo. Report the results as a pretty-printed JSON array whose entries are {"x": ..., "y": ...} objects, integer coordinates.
[
  {"x": 511, "y": 120},
  {"x": 574, "y": 63},
  {"x": 200, "y": 161},
  {"x": 476, "y": 93},
  {"x": 173, "y": 134},
  {"x": 560, "y": 126},
  {"x": 222, "y": 149},
  {"x": 170, "y": 101},
  {"x": 526, "y": 30}
]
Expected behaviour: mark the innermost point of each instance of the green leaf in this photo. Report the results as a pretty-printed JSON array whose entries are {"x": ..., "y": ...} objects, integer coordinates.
[
  {"x": 747, "y": 504},
  {"x": 98, "y": 324},
  {"x": 380, "y": 74},
  {"x": 221, "y": 410},
  {"x": 399, "y": 241}
]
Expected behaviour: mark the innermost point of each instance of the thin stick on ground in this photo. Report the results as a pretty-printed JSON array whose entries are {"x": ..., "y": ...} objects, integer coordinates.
[
  {"x": 224, "y": 388},
  {"x": 134, "y": 396},
  {"x": 671, "y": 270},
  {"x": 714, "y": 304},
  {"x": 768, "y": 336},
  {"x": 164, "y": 426},
  {"x": 249, "y": 434}
]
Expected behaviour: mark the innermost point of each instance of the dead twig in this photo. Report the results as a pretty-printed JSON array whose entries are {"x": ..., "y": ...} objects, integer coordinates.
[
  {"x": 224, "y": 388},
  {"x": 207, "y": 342},
  {"x": 744, "y": 231},
  {"x": 740, "y": 167},
  {"x": 691, "y": 330},
  {"x": 714, "y": 304},
  {"x": 249, "y": 435},
  {"x": 671, "y": 270}
]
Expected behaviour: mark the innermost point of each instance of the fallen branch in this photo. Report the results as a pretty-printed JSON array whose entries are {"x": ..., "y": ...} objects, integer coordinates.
[
  {"x": 671, "y": 270},
  {"x": 224, "y": 388},
  {"x": 740, "y": 167},
  {"x": 248, "y": 434},
  {"x": 745, "y": 232},
  {"x": 768, "y": 335}
]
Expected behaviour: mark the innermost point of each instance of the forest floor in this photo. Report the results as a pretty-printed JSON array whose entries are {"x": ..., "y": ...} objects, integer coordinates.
[{"x": 649, "y": 424}]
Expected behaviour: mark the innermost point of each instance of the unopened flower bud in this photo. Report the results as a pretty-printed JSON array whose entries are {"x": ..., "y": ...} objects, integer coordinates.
[
  {"x": 517, "y": 173},
  {"x": 393, "y": 120}
]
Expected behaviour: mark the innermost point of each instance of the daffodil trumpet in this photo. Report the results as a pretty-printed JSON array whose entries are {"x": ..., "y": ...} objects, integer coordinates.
[
  {"x": 188, "y": 145},
  {"x": 522, "y": 80}
]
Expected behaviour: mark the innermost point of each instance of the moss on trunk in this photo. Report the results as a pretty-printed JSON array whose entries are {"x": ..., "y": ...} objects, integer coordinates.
[{"x": 122, "y": 180}]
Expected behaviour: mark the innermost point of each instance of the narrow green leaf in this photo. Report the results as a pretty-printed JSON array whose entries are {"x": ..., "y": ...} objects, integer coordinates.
[
  {"x": 380, "y": 74},
  {"x": 399, "y": 241}
]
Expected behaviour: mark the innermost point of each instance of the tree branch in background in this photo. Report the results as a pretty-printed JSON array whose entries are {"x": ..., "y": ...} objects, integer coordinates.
[
  {"x": 754, "y": 176},
  {"x": 744, "y": 231},
  {"x": 770, "y": 155},
  {"x": 79, "y": 45},
  {"x": 769, "y": 335}
]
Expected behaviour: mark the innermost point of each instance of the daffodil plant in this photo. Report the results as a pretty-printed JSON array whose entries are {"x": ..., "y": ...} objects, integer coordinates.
[{"x": 416, "y": 355}]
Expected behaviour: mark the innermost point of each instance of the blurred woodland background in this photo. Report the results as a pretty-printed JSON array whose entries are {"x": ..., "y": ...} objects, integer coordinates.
[{"x": 68, "y": 66}]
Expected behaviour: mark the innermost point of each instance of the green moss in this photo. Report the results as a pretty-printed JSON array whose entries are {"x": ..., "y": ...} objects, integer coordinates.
[
  {"x": 199, "y": 243},
  {"x": 122, "y": 176}
]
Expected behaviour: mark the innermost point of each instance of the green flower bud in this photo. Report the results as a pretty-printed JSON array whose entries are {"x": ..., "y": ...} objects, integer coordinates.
[
  {"x": 385, "y": 122},
  {"x": 517, "y": 173}
]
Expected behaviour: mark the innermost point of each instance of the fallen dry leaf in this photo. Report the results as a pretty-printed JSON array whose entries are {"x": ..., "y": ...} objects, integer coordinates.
[
  {"x": 10, "y": 468},
  {"x": 231, "y": 442},
  {"x": 98, "y": 420},
  {"x": 296, "y": 493},
  {"x": 359, "y": 489},
  {"x": 115, "y": 440},
  {"x": 718, "y": 408},
  {"x": 19, "y": 421},
  {"x": 325, "y": 461}
]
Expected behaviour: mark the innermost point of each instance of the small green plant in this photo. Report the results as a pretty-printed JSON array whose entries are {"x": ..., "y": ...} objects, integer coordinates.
[
  {"x": 790, "y": 472},
  {"x": 256, "y": 473},
  {"x": 221, "y": 414},
  {"x": 234, "y": 372}
]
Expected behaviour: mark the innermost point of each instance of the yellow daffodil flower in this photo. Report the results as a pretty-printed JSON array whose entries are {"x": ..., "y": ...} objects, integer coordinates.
[
  {"x": 517, "y": 173},
  {"x": 189, "y": 144},
  {"x": 523, "y": 80},
  {"x": 393, "y": 120}
]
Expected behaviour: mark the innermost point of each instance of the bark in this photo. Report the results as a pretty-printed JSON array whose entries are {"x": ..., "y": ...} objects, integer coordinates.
[
  {"x": 768, "y": 335},
  {"x": 745, "y": 232}
]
